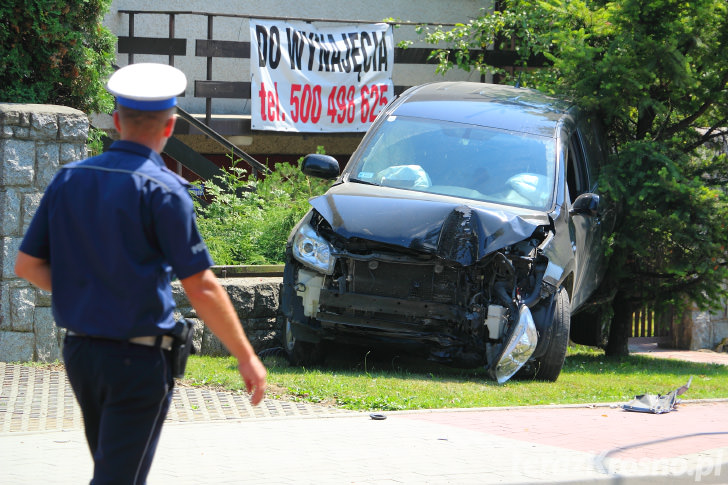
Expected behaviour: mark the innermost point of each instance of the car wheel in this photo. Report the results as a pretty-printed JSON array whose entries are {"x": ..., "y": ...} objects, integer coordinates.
[
  {"x": 299, "y": 352},
  {"x": 548, "y": 367}
]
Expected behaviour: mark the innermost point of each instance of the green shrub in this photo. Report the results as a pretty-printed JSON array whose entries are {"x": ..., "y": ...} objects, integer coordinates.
[
  {"x": 248, "y": 221},
  {"x": 56, "y": 52}
]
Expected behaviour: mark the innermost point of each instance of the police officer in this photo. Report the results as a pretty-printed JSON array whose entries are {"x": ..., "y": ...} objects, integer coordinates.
[{"x": 109, "y": 234}]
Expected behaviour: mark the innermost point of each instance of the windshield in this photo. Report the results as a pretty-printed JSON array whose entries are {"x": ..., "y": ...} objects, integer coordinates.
[{"x": 459, "y": 160}]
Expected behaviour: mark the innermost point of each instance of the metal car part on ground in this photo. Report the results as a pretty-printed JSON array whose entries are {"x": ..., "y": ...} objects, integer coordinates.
[
  {"x": 657, "y": 403},
  {"x": 467, "y": 227}
]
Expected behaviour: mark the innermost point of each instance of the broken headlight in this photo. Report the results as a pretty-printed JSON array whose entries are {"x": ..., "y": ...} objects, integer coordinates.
[
  {"x": 517, "y": 348},
  {"x": 312, "y": 250}
]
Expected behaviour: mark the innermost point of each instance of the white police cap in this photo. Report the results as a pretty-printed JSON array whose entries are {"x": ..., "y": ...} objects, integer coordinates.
[{"x": 147, "y": 86}]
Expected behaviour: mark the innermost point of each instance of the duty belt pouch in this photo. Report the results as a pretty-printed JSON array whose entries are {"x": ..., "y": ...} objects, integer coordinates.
[{"x": 182, "y": 346}]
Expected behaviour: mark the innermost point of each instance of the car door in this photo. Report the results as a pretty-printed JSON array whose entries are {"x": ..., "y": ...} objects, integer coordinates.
[{"x": 585, "y": 231}]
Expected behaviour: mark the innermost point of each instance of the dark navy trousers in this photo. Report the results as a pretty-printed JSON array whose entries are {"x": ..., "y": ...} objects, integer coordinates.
[{"x": 124, "y": 391}]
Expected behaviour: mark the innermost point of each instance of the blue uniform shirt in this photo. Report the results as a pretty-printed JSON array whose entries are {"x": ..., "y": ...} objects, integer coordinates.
[{"x": 115, "y": 228}]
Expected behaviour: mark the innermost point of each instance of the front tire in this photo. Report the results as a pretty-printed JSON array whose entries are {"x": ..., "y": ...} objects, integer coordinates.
[
  {"x": 299, "y": 352},
  {"x": 549, "y": 365}
]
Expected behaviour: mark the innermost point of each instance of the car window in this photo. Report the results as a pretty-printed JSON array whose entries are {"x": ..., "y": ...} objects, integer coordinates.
[
  {"x": 459, "y": 160},
  {"x": 595, "y": 147},
  {"x": 577, "y": 177}
]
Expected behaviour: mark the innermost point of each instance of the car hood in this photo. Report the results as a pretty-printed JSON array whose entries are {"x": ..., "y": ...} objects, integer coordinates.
[{"x": 454, "y": 229}]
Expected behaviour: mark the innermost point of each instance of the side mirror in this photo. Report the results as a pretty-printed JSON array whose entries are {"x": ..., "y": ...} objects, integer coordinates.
[
  {"x": 586, "y": 205},
  {"x": 321, "y": 166}
]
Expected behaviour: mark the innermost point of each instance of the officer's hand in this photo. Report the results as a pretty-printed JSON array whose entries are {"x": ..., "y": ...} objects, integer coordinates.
[{"x": 253, "y": 373}]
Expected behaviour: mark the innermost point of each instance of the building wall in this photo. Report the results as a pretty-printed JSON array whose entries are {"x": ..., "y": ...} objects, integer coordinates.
[
  {"x": 237, "y": 29},
  {"x": 231, "y": 116}
]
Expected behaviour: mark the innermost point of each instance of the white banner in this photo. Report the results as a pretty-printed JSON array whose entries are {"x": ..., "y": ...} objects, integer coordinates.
[{"x": 308, "y": 79}]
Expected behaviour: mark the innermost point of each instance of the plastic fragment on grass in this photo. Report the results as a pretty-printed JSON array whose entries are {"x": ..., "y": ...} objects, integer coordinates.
[{"x": 656, "y": 403}]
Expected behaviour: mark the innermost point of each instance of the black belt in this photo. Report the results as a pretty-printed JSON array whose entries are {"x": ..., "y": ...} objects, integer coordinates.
[{"x": 161, "y": 341}]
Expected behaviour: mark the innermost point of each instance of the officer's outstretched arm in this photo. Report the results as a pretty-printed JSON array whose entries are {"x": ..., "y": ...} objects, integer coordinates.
[{"x": 214, "y": 307}]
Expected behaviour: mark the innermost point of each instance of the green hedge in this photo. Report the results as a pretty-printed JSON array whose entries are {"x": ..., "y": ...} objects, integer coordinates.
[
  {"x": 248, "y": 221},
  {"x": 56, "y": 52}
]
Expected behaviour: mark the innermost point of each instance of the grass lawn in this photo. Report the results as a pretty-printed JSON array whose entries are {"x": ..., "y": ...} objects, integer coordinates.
[{"x": 359, "y": 380}]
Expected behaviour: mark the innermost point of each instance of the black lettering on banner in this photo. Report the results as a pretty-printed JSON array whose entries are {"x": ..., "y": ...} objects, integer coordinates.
[
  {"x": 367, "y": 62},
  {"x": 324, "y": 54},
  {"x": 274, "y": 53},
  {"x": 359, "y": 52},
  {"x": 296, "y": 40},
  {"x": 383, "y": 60},
  {"x": 355, "y": 51},
  {"x": 269, "y": 46},
  {"x": 312, "y": 44},
  {"x": 346, "y": 61},
  {"x": 335, "y": 55},
  {"x": 336, "y": 60},
  {"x": 261, "y": 35}
]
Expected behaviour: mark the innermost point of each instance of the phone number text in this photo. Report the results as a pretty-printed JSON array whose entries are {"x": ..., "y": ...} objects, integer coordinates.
[{"x": 344, "y": 104}]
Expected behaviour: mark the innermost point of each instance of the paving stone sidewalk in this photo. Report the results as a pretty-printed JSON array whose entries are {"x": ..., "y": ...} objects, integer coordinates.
[{"x": 39, "y": 399}]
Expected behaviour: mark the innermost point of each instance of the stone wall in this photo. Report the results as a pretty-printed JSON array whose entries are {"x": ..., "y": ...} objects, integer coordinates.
[
  {"x": 256, "y": 301},
  {"x": 696, "y": 329},
  {"x": 35, "y": 140}
]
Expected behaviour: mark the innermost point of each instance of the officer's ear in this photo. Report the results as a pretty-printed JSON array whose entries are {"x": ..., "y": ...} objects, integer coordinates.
[
  {"x": 169, "y": 126},
  {"x": 117, "y": 122}
]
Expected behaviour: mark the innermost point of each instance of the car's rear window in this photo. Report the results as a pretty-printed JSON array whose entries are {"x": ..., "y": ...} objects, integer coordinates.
[{"x": 460, "y": 160}]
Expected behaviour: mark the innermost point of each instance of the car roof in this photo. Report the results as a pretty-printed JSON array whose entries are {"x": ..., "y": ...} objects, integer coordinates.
[{"x": 491, "y": 105}]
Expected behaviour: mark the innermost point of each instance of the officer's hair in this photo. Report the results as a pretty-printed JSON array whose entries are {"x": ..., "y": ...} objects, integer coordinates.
[{"x": 143, "y": 117}]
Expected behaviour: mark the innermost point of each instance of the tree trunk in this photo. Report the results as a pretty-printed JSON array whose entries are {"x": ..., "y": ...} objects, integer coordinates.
[{"x": 621, "y": 328}]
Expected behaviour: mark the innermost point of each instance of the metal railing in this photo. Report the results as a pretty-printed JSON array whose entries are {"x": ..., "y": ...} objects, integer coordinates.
[{"x": 257, "y": 167}]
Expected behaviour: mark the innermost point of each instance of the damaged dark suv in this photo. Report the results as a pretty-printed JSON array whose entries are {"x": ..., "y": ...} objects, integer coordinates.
[{"x": 466, "y": 226}]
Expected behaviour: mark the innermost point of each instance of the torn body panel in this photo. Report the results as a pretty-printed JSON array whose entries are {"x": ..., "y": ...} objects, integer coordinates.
[
  {"x": 437, "y": 287},
  {"x": 432, "y": 226}
]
